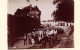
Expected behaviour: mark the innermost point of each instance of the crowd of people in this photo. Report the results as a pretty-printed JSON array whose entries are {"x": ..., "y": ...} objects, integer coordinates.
[{"x": 46, "y": 38}]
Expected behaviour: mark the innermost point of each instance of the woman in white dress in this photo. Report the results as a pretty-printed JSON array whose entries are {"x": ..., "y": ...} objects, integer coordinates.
[{"x": 32, "y": 41}]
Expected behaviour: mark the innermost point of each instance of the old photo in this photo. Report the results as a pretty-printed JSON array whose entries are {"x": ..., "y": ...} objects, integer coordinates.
[{"x": 40, "y": 24}]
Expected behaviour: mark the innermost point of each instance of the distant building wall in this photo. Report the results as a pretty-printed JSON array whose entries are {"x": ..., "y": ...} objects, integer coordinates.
[{"x": 57, "y": 23}]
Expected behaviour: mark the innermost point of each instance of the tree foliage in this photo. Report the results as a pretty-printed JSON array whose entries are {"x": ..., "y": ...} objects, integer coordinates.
[{"x": 65, "y": 10}]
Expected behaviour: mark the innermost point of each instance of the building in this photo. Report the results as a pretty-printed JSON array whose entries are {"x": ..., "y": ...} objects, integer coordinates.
[{"x": 25, "y": 20}]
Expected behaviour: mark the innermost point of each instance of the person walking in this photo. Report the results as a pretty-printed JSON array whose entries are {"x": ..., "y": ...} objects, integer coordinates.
[
  {"x": 55, "y": 35},
  {"x": 39, "y": 38},
  {"x": 32, "y": 41},
  {"x": 25, "y": 38}
]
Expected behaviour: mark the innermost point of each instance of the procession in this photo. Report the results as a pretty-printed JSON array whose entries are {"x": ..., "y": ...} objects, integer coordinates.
[{"x": 42, "y": 37}]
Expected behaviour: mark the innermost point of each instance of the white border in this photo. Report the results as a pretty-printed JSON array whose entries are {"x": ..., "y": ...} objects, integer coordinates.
[{"x": 3, "y": 27}]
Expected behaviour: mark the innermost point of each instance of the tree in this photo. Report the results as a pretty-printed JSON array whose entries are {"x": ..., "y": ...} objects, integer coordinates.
[{"x": 65, "y": 10}]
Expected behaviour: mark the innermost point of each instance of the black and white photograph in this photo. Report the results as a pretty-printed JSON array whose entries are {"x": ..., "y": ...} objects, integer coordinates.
[{"x": 40, "y": 24}]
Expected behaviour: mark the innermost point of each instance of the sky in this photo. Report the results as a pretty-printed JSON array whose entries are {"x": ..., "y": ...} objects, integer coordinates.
[{"x": 46, "y": 7}]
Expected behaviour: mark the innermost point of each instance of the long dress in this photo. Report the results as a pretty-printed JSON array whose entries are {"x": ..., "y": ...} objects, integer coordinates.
[{"x": 32, "y": 40}]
